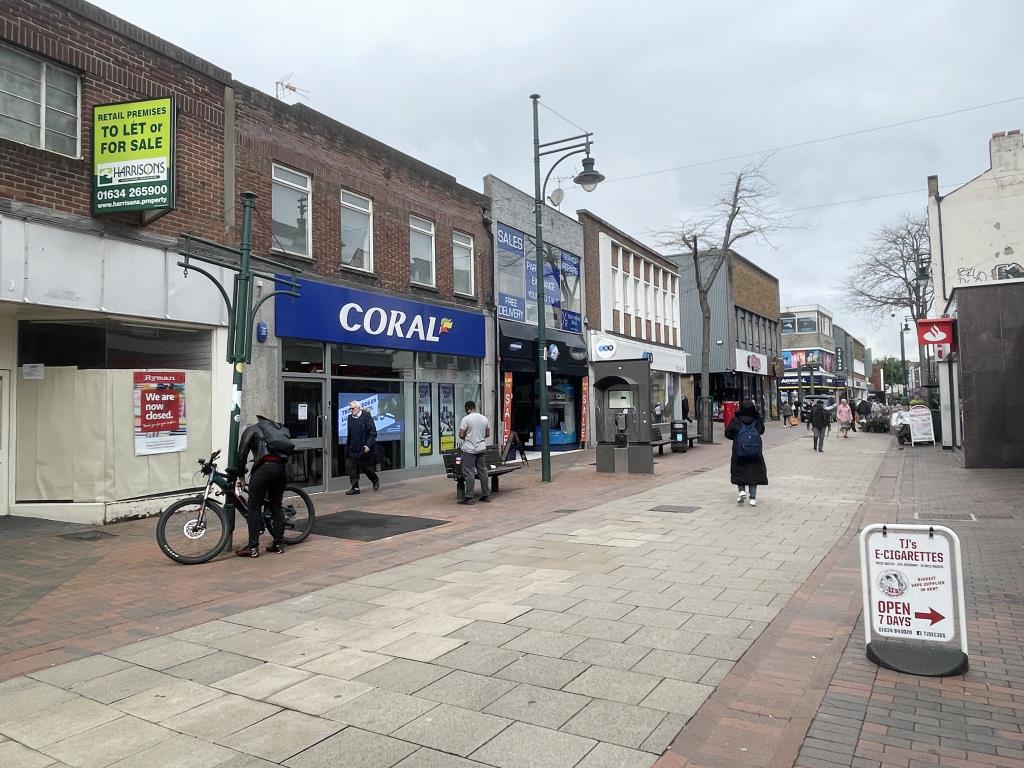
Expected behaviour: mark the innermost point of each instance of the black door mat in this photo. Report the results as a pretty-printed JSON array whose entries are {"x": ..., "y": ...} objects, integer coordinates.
[{"x": 369, "y": 526}]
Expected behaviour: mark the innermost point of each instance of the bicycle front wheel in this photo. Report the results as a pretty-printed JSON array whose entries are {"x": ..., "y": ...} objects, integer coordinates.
[
  {"x": 191, "y": 531},
  {"x": 298, "y": 515}
]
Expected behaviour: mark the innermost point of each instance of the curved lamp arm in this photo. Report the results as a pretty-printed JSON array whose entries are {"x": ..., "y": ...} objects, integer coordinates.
[{"x": 544, "y": 189}]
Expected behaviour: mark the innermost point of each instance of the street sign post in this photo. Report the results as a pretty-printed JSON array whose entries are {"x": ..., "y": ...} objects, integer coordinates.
[{"x": 914, "y": 617}]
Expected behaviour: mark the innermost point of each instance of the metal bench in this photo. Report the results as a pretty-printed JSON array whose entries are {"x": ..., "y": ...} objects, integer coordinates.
[
  {"x": 495, "y": 469},
  {"x": 657, "y": 439}
]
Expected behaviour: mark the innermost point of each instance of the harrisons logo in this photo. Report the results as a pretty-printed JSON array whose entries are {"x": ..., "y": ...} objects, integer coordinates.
[
  {"x": 131, "y": 172},
  {"x": 376, "y": 321}
]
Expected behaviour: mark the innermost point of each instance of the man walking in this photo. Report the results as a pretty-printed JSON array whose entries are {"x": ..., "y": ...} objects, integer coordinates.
[
  {"x": 474, "y": 429},
  {"x": 359, "y": 447},
  {"x": 819, "y": 423},
  {"x": 787, "y": 414}
]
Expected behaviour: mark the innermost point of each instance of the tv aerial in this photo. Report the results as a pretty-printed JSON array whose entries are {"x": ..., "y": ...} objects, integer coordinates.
[{"x": 285, "y": 87}]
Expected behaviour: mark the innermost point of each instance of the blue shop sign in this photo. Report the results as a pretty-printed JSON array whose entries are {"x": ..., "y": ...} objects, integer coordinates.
[{"x": 341, "y": 315}]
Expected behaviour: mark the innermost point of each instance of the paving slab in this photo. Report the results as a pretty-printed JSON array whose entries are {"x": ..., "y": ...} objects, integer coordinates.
[
  {"x": 22, "y": 697},
  {"x": 608, "y": 654},
  {"x": 452, "y": 729},
  {"x": 353, "y": 747},
  {"x": 421, "y": 647},
  {"x": 431, "y": 758},
  {"x": 544, "y": 643},
  {"x": 380, "y": 710},
  {"x": 403, "y": 675},
  {"x": 179, "y": 752},
  {"x": 612, "y": 721},
  {"x": 613, "y": 756},
  {"x": 478, "y": 658},
  {"x": 348, "y": 663},
  {"x": 160, "y": 652},
  {"x": 488, "y": 632},
  {"x": 318, "y": 694},
  {"x": 121, "y": 684},
  {"x": 58, "y": 722},
  {"x": 79, "y": 671},
  {"x": 263, "y": 681},
  {"x": 167, "y": 700},
  {"x": 281, "y": 736},
  {"x": 465, "y": 689},
  {"x": 210, "y": 669},
  {"x": 677, "y": 696},
  {"x": 523, "y": 744},
  {"x": 542, "y": 670},
  {"x": 221, "y": 717},
  {"x": 15, "y": 755},
  {"x": 539, "y": 706},
  {"x": 613, "y": 684},
  {"x": 679, "y": 666},
  {"x": 108, "y": 743}
]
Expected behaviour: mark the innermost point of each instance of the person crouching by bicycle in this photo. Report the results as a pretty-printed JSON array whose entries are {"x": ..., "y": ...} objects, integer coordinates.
[
  {"x": 268, "y": 442},
  {"x": 359, "y": 447}
]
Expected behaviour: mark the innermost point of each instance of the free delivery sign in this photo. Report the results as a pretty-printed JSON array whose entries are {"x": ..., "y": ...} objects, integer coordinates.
[
  {"x": 133, "y": 156},
  {"x": 335, "y": 313}
]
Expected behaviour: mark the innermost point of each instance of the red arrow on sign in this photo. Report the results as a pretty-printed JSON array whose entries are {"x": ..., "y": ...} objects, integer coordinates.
[{"x": 934, "y": 616}]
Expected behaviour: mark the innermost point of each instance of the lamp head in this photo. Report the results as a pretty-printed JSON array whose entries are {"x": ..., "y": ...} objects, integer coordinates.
[{"x": 588, "y": 178}]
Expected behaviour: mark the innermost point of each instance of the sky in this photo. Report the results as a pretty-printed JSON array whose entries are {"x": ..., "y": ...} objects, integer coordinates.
[{"x": 661, "y": 85}]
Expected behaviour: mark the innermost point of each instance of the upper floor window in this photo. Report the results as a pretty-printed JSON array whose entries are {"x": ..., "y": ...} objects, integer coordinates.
[
  {"x": 356, "y": 231},
  {"x": 421, "y": 251},
  {"x": 290, "y": 212},
  {"x": 462, "y": 260},
  {"x": 39, "y": 103}
]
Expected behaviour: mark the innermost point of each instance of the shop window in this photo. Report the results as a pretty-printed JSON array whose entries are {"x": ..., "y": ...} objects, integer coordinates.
[
  {"x": 291, "y": 212},
  {"x": 806, "y": 324},
  {"x": 462, "y": 261},
  {"x": 438, "y": 367},
  {"x": 39, "y": 103},
  {"x": 356, "y": 231},
  {"x": 302, "y": 356},
  {"x": 421, "y": 251},
  {"x": 372, "y": 362},
  {"x": 101, "y": 344}
]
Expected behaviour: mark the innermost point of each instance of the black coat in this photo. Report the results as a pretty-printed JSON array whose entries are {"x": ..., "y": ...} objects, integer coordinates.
[
  {"x": 746, "y": 471},
  {"x": 361, "y": 432}
]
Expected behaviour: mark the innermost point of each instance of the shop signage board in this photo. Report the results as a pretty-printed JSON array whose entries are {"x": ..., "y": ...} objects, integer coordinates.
[
  {"x": 336, "y": 313},
  {"x": 913, "y": 599},
  {"x": 560, "y": 267},
  {"x": 922, "y": 430},
  {"x": 133, "y": 156},
  {"x": 158, "y": 408}
]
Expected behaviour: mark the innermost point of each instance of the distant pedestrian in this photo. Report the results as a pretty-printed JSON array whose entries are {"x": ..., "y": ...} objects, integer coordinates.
[
  {"x": 787, "y": 414},
  {"x": 474, "y": 429},
  {"x": 359, "y": 447},
  {"x": 845, "y": 417},
  {"x": 747, "y": 469},
  {"x": 818, "y": 423},
  {"x": 899, "y": 424},
  {"x": 686, "y": 409},
  {"x": 863, "y": 411},
  {"x": 659, "y": 411},
  {"x": 853, "y": 421}
]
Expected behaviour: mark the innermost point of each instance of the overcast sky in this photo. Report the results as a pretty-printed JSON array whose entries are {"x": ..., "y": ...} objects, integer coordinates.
[{"x": 661, "y": 84}]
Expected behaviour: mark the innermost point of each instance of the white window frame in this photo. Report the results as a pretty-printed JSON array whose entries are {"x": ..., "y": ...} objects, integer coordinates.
[
  {"x": 46, "y": 65},
  {"x": 367, "y": 210},
  {"x": 274, "y": 245},
  {"x": 472, "y": 259},
  {"x": 433, "y": 248}
]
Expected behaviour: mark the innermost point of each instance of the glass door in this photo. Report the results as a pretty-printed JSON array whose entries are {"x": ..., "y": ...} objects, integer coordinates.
[{"x": 306, "y": 418}]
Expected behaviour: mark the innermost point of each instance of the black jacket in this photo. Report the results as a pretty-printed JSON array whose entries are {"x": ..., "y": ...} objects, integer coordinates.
[
  {"x": 253, "y": 442},
  {"x": 819, "y": 416},
  {"x": 362, "y": 432},
  {"x": 864, "y": 408},
  {"x": 752, "y": 470}
]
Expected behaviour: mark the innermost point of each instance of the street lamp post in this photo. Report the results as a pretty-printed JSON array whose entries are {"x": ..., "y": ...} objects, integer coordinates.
[{"x": 588, "y": 178}]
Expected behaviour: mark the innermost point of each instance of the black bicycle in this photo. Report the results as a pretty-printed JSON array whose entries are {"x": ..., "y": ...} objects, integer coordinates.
[{"x": 197, "y": 529}]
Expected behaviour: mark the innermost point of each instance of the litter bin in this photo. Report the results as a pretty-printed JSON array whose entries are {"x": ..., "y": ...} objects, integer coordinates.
[
  {"x": 678, "y": 436},
  {"x": 729, "y": 408}
]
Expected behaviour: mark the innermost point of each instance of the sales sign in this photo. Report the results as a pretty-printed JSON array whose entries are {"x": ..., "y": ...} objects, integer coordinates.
[
  {"x": 158, "y": 408},
  {"x": 921, "y": 428},
  {"x": 133, "y": 156}
]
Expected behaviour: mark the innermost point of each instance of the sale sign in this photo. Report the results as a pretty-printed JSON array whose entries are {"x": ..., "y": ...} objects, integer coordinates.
[
  {"x": 158, "y": 407},
  {"x": 584, "y": 410},
  {"x": 506, "y": 407}
]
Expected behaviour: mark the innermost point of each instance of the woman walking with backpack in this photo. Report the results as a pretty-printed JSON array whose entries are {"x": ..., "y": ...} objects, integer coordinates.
[{"x": 747, "y": 469}]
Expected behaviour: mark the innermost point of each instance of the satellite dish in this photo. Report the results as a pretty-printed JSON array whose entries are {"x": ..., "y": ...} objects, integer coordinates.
[{"x": 556, "y": 197}]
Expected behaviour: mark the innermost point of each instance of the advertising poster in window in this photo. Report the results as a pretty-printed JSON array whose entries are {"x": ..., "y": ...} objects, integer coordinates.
[
  {"x": 572, "y": 320},
  {"x": 133, "y": 156},
  {"x": 446, "y": 405},
  {"x": 158, "y": 408},
  {"x": 425, "y": 419},
  {"x": 511, "y": 247},
  {"x": 385, "y": 408}
]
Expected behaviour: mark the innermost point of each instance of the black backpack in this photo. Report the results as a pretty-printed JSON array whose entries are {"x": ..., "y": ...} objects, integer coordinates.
[{"x": 277, "y": 438}]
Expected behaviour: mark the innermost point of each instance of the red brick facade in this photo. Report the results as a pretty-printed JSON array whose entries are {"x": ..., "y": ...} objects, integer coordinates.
[
  {"x": 337, "y": 157},
  {"x": 118, "y": 62}
]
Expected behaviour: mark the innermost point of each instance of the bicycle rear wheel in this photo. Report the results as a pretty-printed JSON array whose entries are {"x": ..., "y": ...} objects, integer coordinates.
[
  {"x": 298, "y": 515},
  {"x": 188, "y": 537}
]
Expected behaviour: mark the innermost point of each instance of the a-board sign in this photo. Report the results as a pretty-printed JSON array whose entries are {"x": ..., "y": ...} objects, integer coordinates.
[
  {"x": 913, "y": 596},
  {"x": 921, "y": 428}
]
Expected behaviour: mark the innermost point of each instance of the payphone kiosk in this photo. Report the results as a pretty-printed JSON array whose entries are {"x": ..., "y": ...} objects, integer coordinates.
[{"x": 622, "y": 403}]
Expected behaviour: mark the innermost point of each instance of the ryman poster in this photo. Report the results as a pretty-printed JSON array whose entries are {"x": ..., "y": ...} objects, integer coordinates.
[{"x": 158, "y": 406}]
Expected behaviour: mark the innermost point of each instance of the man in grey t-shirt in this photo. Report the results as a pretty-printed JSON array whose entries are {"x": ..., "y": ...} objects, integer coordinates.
[{"x": 474, "y": 429}]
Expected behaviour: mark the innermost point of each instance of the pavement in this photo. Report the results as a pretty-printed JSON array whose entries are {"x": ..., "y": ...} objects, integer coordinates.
[{"x": 597, "y": 621}]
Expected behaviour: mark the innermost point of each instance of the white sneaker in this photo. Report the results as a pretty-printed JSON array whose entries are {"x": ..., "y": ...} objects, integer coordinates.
[
  {"x": 742, "y": 497},
  {"x": 753, "y": 502}
]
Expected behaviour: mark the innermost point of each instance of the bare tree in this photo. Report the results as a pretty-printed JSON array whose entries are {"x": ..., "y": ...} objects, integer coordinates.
[
  {"x": 891, "y": 274},
  {"x": 745, "y": 209}
]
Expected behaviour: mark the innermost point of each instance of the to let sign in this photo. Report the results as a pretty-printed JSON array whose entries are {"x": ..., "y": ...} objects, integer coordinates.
[
  {"x": 910, "y": 578},
  {"x": 133, "y": 156}
]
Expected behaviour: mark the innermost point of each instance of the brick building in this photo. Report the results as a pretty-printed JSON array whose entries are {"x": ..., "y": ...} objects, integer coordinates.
[
  {"x": 381, "y": 233},
  {"x": 632, "y": 300},
  {"x": 91, "y": 301},
  {"x": 744, "y": 300}
]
